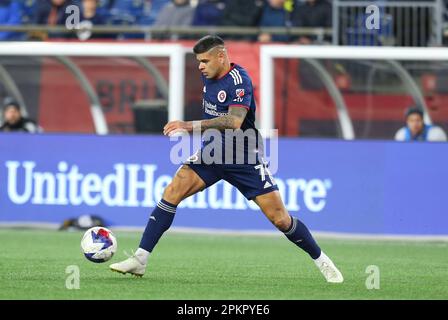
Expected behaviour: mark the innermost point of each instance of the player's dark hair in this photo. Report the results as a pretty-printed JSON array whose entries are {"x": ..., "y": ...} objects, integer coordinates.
[
  {"x": 414, "y": 110},
  {"x": 10, "y": 103},
  {"x": 206, "y": 43}
]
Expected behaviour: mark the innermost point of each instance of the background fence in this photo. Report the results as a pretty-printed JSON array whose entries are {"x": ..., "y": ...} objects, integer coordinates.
[{"x": 402, "y": 23}]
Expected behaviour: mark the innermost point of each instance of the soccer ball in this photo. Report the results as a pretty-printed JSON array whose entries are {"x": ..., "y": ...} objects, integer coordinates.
[{"x": 98, "y": 244}]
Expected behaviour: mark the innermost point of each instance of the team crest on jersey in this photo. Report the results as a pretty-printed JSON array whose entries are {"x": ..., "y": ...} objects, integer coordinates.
[
  {"x": 222, "y": 95},
  {"x": 239, "y": 95}
]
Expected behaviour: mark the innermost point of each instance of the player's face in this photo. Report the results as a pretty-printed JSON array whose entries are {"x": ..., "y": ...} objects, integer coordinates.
[
  {"x": 277, "y": 3},
  {"x": 210, "y": 64},
  {"x": 89, "y": 4},
  {"x": 415, "y": 123},
  {"x": 58, "y": 2},
  {"x": 12, "y": 115}
]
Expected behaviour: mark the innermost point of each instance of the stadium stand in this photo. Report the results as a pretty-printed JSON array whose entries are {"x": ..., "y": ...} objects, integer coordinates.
[
  {"x": 10, "y": 14},
  {"x": 177, "y": 13},
  {"x": 402, "y": 23},
  {"x": 208, "y": 12},
  {"x": 274, "y": 15},
  {"x": 28, "y": 10}
]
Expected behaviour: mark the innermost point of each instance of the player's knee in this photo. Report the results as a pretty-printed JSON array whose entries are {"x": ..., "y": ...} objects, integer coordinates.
[
  {"x": 172, "y": 194},
  {"x": 281, "y": 220}
]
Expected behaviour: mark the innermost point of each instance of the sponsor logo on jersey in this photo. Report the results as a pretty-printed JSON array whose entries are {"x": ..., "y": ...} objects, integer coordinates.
[
  {"x": 208, "y": 105},
  {"x": 211, "y": 109},
  {"x": 222, "y": 95}
]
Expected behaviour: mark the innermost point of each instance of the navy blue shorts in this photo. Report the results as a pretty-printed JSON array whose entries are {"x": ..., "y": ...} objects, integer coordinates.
[{"x": 251, "y": 180}]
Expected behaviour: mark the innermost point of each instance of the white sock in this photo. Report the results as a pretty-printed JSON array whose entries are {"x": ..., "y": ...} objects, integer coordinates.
[{"x": 142, "y": 255}]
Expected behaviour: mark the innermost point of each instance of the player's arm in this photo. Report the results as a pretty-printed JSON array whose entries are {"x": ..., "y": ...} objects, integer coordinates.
[{"x": 233, "y": 120}]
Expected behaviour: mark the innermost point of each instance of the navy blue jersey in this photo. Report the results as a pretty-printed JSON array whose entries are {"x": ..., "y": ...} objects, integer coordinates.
[
  {"x": 233, "y": 89},
  {"x": 250, "y": 176}
]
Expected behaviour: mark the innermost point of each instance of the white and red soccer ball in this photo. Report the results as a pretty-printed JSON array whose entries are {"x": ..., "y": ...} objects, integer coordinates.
[{"x": 98, "y": 244}]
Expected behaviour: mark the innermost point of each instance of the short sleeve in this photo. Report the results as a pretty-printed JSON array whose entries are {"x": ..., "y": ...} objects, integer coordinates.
[
  {"x": 241, "y": 90},
  {"x": 400, "y": 135},
  {"x": 436, "y": 134}
]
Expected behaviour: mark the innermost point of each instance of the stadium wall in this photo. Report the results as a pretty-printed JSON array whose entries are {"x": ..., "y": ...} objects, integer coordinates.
[
  {"x": 348, "y": 187},
  {"x": 120, "y": 82}
]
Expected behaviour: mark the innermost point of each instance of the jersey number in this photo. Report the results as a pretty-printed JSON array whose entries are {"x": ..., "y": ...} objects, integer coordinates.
[{"x": 264, "y": 170}]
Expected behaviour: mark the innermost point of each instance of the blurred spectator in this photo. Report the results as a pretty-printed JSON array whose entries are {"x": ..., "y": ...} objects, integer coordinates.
[
  {"x": 274, "y": 15},
  {"x": 128, "y": 13},
  {"x": 13, "y": 121},
  {"x": 417, "y": 130},
  {"x": 90, "y": 12},
  {"x": 312, "y": 14},
  {"x": 178, "y": 13},
  {"x": 106, "y": 4},
  {"x": 208, "y": 12},
  {"x": 10, "y": 14},
  {"x": 151, "y": 10},
  {"x": 91, "y": 16},
  {"x": 28, "y": 8},
  {"x": 242, "y": 13},
  {"x": 52, "y": 12}
]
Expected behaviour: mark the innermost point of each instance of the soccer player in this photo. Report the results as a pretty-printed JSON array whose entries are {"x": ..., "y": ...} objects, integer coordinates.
[{"x": 229, "y": 106}]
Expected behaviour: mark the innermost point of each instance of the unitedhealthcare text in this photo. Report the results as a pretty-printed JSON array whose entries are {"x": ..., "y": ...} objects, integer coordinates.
[{"x": 140, "y": 185}]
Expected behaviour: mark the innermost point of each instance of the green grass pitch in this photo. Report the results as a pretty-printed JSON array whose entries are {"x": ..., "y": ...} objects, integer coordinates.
[{"x": 189, "y": 266}]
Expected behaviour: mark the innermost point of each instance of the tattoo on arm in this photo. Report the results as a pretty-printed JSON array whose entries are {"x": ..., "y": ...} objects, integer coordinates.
[{"x": 232, "y": 120}]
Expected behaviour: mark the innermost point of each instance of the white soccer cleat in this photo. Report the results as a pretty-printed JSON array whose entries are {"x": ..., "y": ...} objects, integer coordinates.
[
  {"x": 328, "y": 269},
  {"x": 131, "y": 265}
]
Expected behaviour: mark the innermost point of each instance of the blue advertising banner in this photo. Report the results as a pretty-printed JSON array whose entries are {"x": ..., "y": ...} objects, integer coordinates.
[{"x": 362, "y": 187}]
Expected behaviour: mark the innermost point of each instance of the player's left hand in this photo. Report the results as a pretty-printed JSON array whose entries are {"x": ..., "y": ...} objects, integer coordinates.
[{"x": 177, "y": 126}]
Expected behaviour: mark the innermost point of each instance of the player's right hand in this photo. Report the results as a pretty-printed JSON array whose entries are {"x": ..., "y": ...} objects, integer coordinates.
[{"x": 177, "y": 127}]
